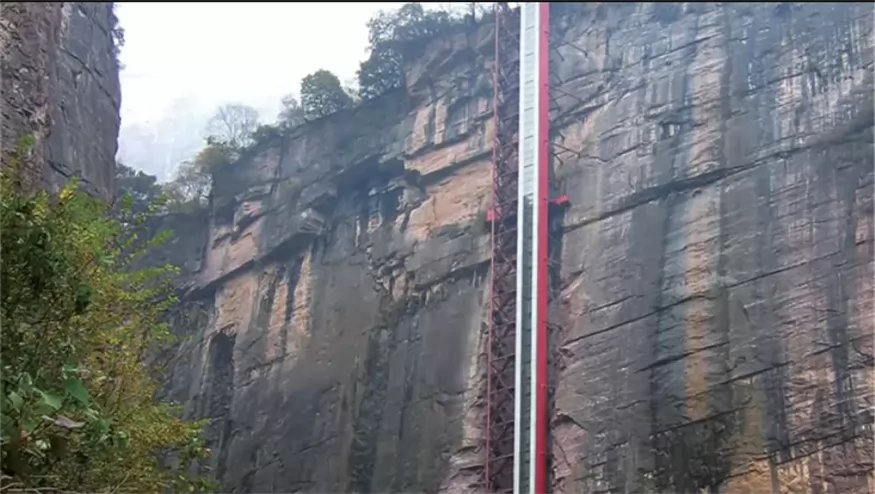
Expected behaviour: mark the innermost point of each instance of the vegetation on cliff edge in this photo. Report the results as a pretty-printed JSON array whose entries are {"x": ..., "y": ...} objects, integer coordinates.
[
  {"x": 76, "y": 327},
  {"x": 396, "y": 38}
]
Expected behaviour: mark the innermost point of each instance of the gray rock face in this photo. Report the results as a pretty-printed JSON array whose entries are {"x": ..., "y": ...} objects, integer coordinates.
[
  {"x": 717, "y": 259},
  {"x": 716, "y": 274},
  {"x": 60, "y": 84}
]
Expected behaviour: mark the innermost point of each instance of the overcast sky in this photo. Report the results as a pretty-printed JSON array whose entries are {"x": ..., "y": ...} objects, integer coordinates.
[
  {"x": 220, "y": 52},
  {"x": 182, "y": 60}
]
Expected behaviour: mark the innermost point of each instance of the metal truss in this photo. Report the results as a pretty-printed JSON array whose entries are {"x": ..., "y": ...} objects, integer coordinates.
[{"x": 500, "y": 391}]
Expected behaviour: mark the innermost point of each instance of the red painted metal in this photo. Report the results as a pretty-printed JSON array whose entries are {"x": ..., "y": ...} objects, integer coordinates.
[
  {"x": 560, "y": 200},
  {"x": 541, "y": 424},
  {"x": 559, "y": 154},
  {"x": 500, "y": 347}
]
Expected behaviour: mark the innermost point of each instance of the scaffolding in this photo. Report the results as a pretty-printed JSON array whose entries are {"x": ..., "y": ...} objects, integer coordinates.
[
  {"x": 501, "y": 336},
  {"x": 530, "y": 417},
  {"x": 525, "y": 246}
]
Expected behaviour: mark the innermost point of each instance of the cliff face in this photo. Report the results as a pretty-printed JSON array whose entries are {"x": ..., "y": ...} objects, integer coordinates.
[
  {"x": 60, "y": 84},
  {"x": 716, "y": 268}
]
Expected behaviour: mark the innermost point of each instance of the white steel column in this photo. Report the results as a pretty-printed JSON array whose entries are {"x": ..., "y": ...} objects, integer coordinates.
[{"x": 527, "y": 251}]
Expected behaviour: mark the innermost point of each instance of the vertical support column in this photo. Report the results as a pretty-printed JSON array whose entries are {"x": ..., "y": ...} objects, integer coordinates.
[
  {"x": 530, "y": 412},
  {"x": 542, "y": 209},
  {"x": 527, "y": 218}
]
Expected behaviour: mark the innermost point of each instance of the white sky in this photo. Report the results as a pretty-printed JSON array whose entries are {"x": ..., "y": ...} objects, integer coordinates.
[
  {"x": 216, "y": 53},
  {"x": 182, "y": 60}
]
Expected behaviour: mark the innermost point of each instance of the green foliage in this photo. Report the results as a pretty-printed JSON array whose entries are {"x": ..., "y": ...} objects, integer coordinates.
[
  {"x": 380, "y": 73},
  {"x": 191, "y": 186},
  {"x": 322, "y": 94},
  {"x": 78, "y": 408},
  {"x": 265, "y": 133},
  {"x": 140, "y": 189},
  {"x": 292, "y": 113},
  {"x": 395, "y": 38},
  {"x": 353, "y": 93}
]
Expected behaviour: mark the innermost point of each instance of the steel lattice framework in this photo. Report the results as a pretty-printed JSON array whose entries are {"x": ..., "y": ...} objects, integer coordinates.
[
  {"x": 526, "y": 242},
  {"x": 502, "y": 303}
]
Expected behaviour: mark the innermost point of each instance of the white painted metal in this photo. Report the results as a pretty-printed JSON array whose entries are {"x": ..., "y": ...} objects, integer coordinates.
[{"x": 527, "y": 253}]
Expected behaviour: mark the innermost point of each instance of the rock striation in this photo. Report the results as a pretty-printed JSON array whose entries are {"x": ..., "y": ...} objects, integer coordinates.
[
  {"x": 716, "y": 267},
  {"x": 60, "y": 84}
]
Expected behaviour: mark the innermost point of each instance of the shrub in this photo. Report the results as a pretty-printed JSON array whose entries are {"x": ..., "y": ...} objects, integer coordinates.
[{"x": 76, "y": 323}]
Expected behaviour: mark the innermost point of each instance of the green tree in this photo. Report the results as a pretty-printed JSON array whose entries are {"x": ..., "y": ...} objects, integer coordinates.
[
  {"x": 143, "y": 188},
  {"x": 190, "y": 186},
  {"x": 193, "y": 180},
  {"x": 322, "y": 94},
  {"x": 381, "y": 72},
  {"x": 266, "y": 133},
  {"x": 76, "y": 323},
  {"x": 291, "y": 114},
  {"x": 395, "y": 38}
]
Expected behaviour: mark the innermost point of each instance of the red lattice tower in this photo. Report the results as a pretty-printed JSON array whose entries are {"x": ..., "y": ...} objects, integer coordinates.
[{"x": 499, "y": 475}]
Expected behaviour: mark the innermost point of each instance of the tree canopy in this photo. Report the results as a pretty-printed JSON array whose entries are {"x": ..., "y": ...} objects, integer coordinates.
[
  {"x": 291, "y": 113},
  {"x": 76, "y": 323},
  {"x": 141, "y": 187},
  {"x": 322, "y": 94},
  {"x": 233, "y": 124},
  {"x": 396, "y": 37},
  {"x": 192, "y": 183}
]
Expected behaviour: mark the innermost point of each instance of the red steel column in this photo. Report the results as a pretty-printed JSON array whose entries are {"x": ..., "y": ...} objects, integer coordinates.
[{"x": 541, "y": 412}]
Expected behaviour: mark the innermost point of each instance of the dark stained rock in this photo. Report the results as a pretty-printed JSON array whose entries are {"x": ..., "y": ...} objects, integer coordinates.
[
  {"x": 60, "y": 83},
  {"x": 715, "y": 278}
]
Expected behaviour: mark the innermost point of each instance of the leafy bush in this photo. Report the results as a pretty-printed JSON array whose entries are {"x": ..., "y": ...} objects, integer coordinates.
[
  {"x": 322, "y": 94},
  {"x": 76, "y": 323}
]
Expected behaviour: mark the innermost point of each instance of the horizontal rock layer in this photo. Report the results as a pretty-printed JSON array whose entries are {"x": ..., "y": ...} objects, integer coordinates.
[{"x": 715, "y": 278}]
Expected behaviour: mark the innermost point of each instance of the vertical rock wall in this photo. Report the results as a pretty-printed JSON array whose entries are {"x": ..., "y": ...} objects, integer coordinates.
[
  {"x": 716, "y": 268},
  {"x": 60, "y": 84},
  {"x": 717, "y": 258}
]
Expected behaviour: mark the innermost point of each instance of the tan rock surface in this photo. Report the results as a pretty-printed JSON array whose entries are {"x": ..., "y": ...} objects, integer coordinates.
[{"x": 716, "y": 269}]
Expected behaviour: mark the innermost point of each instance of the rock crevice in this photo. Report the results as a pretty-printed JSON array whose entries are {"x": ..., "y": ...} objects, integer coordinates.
[
  {"x": 714, "y": 270},
  {"x": 60, "y": 85}
]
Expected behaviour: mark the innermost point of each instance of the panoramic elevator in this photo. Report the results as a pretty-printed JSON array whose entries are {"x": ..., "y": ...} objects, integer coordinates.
[{"x": 517, "y": 389}]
